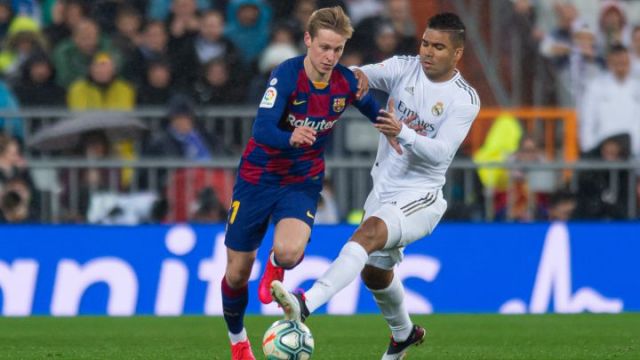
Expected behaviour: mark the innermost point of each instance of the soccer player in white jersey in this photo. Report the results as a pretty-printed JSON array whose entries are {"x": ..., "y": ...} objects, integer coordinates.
[{"x": 431, "y": 109}]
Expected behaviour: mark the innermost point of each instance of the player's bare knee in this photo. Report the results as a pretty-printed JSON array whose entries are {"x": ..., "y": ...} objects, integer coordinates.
[
  {"x": 238, "y": 279},
  {"x": 288, "y": 258},
  {"x": 375, "y": 278},
  {"x": 371, "y": 235}
]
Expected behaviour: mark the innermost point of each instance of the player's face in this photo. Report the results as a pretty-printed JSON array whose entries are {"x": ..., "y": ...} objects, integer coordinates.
[
  {"x": 324, "y": 50},
  {"x": 439, "y": 55}
]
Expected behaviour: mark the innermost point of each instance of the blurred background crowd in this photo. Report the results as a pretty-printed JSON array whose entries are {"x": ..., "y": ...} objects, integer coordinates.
[{"x": 189, "y": 71}]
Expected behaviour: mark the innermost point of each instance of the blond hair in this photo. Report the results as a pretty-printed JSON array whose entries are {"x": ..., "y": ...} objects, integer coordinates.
[{"x": 332, "y": 18}]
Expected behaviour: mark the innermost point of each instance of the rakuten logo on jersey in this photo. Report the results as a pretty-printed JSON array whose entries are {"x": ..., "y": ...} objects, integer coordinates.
[{"x": 316, "y": 125}]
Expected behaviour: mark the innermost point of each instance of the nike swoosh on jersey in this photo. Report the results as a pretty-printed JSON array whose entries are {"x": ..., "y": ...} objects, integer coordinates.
[
  {"x": 309, "y": 214},
  {"x": 299, "y": 102}
]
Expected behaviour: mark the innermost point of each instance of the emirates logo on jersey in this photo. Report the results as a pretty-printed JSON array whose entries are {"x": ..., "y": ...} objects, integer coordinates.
[
  {"x": 316, "y": 125},
  {"x": 437, "y": 109}
]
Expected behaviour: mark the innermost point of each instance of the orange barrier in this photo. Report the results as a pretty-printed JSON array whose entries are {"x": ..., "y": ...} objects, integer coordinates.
[{"x": 552, "y": 120}]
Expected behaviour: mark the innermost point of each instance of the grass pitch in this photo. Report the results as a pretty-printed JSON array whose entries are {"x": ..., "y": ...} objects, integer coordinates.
[{"x": 475, "y": 337}]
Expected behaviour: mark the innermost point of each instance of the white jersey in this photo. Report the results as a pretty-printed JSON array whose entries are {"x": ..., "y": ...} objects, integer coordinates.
[{"x": 445, "y": 110}]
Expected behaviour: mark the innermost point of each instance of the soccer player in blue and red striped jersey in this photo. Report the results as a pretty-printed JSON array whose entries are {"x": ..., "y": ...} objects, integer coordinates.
[{"x": 280, "y": 174}]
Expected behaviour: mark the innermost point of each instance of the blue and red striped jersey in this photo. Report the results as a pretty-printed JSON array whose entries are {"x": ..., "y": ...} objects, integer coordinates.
[{"x": 292, "y": 100}]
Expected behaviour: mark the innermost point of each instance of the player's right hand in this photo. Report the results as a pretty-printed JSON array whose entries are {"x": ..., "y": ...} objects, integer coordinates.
[
  {"x": 363, "y": 83},
  {"x": 302, "y": 136}
]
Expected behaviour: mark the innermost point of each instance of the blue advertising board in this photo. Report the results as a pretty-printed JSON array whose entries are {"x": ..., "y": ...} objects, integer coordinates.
[{"x": 174, "y": 270}]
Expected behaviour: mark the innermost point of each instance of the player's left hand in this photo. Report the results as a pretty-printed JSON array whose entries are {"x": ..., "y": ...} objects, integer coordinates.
[
  {"x": 363, "y": 83},
  {"x": 387, "y": 122}
]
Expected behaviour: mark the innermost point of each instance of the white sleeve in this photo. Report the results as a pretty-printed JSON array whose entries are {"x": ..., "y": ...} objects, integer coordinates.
[
  {"x": 383, "y": 76},
  {"x": 444, "y": 145},
  {"x": 587, "y": 121}
]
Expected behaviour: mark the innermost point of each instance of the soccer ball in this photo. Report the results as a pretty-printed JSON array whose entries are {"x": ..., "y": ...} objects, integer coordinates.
[{"x": 287, "y": 340}]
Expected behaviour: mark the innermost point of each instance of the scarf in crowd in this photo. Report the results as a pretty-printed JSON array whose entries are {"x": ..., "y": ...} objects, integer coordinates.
[{"x": 193, "y": 146}]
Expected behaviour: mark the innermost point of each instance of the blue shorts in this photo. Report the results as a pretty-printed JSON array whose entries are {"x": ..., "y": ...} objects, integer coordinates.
[{"x": 253, "y": 205}]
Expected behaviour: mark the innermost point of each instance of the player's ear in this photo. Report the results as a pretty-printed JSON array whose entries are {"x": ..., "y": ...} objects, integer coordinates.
[
  {"x": 307, "y": 39},
  {"x": 458, "y": 53}
]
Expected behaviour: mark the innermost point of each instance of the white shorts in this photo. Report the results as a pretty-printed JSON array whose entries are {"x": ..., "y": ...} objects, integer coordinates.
[{"x": 409, "y": 216}]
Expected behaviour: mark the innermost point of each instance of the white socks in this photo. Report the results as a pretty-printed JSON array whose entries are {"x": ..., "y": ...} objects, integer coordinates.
[
  {"x": 391, "y": 304},
  {"x": 236, "y": 338},
  {"x": 341, "y": 273}
]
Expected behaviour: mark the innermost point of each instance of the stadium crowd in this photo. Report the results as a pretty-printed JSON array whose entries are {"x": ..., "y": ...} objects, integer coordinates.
[{"x": 182, "y": 54}]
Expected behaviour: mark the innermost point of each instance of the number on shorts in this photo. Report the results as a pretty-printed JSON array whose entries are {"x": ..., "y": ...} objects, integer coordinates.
[{"x": 235, "y": 205}]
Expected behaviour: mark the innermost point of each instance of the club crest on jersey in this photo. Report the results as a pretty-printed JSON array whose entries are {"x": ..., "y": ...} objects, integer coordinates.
[
  {"x": 269, "y": 98},
  {"x": 339, "y": 104},
  {"x": 437, "y": 109}
]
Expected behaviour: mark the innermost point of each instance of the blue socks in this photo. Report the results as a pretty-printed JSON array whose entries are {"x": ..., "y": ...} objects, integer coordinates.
[{"x": 234, "y": 304}]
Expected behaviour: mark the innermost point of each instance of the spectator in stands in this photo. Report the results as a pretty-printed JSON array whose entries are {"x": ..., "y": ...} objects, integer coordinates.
[
  {"x": 362, "y": 9},
  {"x": 153, "y": 47},
  {"x": 556, "y": 44},
  {"x": 211, "y": 43},
  {"x": 352, "y": 57},
  {"x": 182, "y": 138},
  {"x": 283, "y": 33},
  {"x": 14, "y": 176},
  {"x": 15, "y": 198},
  {"x": 12, "y": 126},
  {"x": 611, "y": 104},
  {"x": 603, "y": 194},
  {"x": 635, "y": 51},
  {"x": 65, "y": 14},
  {"x": 80, "y": 184},
  {"x": 215, "y": 85},
  {"x": 102, "y": 89},
  {"x": 270, "y": 58},
  {"x": 159, "y": 9},
  {"x": 400, "y": 15},
  {"x": 127, "y": 36},
  {"x": 527, "y": 202},
  {"x": 386, "y": 43},
  {"x": 393, "y": 28},
  {"x": 23, "y": 40},
  {"x": 183, "y": 21},
  {"x": 301, "y": 13},
  {"x": 6, "y": 15},
  {"x": 36, "y": 85},
  {"x": 583, "y": 64},
  {"x": 157, "y": 88},
  {"x": 248, "y": 24},
  {"x": 29, "y": 8},
  {"x": 12, "y": 164},
  {"x": 562, "y": 205},
  {"x": 613, "y": 26},
  {"x": 208, "y": 208},
  {"x": 524, "y": 39},
  {"x": 73, "y": 57},
  {"x": 106, "y": 12}
]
